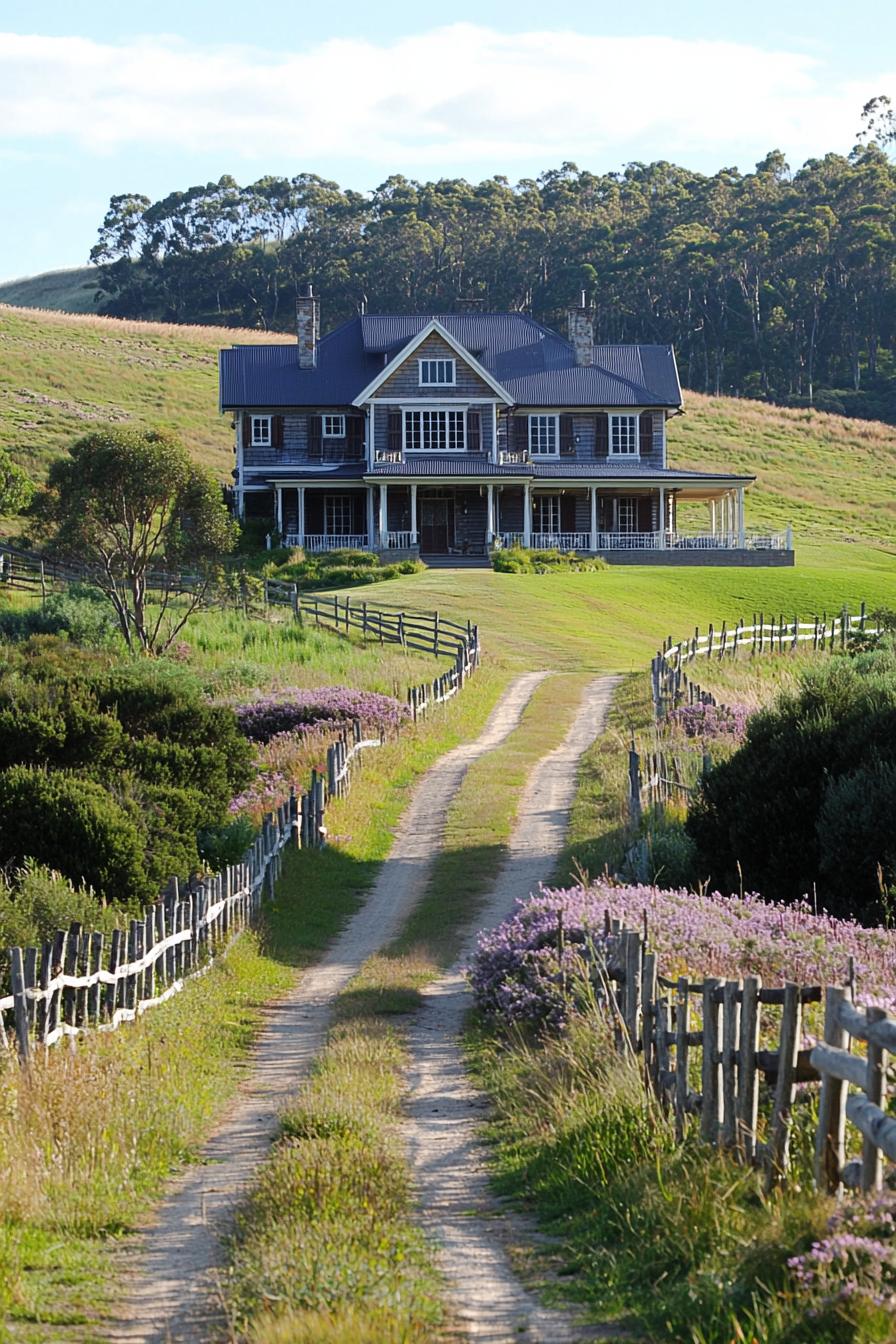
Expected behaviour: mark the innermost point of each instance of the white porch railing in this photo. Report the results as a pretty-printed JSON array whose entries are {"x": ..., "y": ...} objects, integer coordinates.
[
  {"x": 650, "y": 541},
  {"x": 317, "y": 541},
  {"x": 561, "y": 541},
  {"x": 388, "y": 455},
  {"x": 507, "y": 539},
  {"x": 399, "y": 541},
  {"x": 510, "y": 457}
]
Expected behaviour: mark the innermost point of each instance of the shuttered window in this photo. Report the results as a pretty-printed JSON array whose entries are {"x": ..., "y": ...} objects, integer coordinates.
[
  {"x": 261, "y": 431},
  {"x": 624, "y": 436},
  {"x": 628, "y": 514},
  {"x": 334, "y": 426},
  {"x": 544, "y": 435},
  {"x": 434, "y": 431},
  {"x": 337, "y": 515},
  {"x": 547, "y": 515}
]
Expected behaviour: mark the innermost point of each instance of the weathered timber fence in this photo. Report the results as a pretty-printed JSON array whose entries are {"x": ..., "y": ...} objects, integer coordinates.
[
  {"x": 672, "y": 686},
  {"x": 78, "y": 981},
  {"x": 711, "y": 1029}
]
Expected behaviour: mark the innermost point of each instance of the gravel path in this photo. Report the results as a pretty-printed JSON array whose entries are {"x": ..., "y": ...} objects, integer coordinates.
[
  {"x": 473, "y": 1230},
  {"x": 172, "y": 1293}
]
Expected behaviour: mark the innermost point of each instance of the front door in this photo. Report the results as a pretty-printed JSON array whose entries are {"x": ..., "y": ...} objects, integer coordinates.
[{"x": 435, "y": 526}]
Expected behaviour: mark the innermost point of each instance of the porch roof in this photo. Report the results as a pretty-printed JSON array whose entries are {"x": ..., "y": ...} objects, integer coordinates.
[{"x": 445, "y": 465}]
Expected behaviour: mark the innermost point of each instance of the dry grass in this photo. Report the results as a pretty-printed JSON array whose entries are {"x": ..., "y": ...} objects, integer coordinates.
[{"x": 182, "y": 330}]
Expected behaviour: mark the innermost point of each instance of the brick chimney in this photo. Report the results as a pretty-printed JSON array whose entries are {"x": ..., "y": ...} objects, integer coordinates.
[
  {"x": 308, "y": 327},
  {"x": 581, "y": 331}
]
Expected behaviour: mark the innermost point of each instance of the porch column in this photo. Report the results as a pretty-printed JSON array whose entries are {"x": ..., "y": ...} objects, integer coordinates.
[
  {"x": 490, "y": 515},
  {"x": 662, "y": 517},
  {"x": 384, "y": 515},
  {"x": 370, "y": 518},
  {"x": 741, "y": 519},
  {"x": 414, "y": 513},
  {"x": 300, "y": 520},
  {"x": 368, "y": 439},
  {"x": 593, "y": 538},
  {"x": 527, "y": 514},
  {"x": 712, "y": 517},
  {"x": 279, "y": 492}
]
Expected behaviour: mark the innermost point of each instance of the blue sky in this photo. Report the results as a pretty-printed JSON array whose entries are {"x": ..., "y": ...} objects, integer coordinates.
[{"x": 98, "y": 98}]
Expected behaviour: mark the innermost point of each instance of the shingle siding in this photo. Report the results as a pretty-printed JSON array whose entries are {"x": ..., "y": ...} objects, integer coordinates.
[{"x": 405, "y": 381}]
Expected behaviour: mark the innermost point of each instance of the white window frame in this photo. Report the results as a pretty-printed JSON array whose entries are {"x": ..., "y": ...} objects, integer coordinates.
[
  {"x": 616, "y": 436},
  {"x": 344, "y": 504},
  {"x": 549, "y": 425},
  {"x": 425, "y": 416},
  {"x": 260, "y": 431},
  {"x": 445, "y": 376},
  {"x": 333, "y": 426},
  {"x": 552, "y": 499}
]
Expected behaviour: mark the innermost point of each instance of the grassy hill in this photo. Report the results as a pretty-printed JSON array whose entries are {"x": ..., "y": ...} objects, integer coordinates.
[
  {"x": 72, "y": 291},
  {"x": 833, "y": 478},
  {"x": 61, "y": 373}
]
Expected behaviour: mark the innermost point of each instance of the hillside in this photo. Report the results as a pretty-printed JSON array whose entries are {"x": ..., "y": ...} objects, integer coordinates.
[
  {"x": 70, "y": 291},
  {"x": 832, "y": 477}
]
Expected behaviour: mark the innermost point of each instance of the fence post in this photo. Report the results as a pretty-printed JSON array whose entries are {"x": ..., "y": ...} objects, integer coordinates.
[
  {"x": 20, "y": 1004},
  {"x": 634, "y": 786},
  {"x": 830, "y": 1137},
  {"x": 682, "y": 1026},
  {"x": 648, "y": 1029},
  {"x": 709, "y": 1112},
  {"x": 788, "y": 1049},
  {"x": 632, "y": 951},
  {"x": 730, "y": 1035},
  {"x": 747, "y": 1080},
  {"x": 876, "y": 1092}
]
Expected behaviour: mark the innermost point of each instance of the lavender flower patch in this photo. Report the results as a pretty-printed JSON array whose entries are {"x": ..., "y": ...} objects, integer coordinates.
[
  {"x": 712, "y": 721},
  {"x": 522, "y": 969},
  {"x": 855, "y": 1263},
  {"x": 323, "y": 708}
]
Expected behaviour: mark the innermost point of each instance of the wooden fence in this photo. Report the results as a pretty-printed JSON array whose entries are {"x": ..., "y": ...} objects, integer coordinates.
[
  {"x": 660, "y": 774},
  {"x": 711, "y": 1029},
  {"x": 77, "y": 982},
  {"x": 672, "y": 686}
]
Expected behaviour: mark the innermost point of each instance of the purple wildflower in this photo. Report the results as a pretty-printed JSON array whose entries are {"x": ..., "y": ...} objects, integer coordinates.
[{"x": 312, "y": 711}]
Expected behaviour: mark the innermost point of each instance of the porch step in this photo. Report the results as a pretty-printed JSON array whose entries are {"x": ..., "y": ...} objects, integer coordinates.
[{"x": 456, "y": 561}]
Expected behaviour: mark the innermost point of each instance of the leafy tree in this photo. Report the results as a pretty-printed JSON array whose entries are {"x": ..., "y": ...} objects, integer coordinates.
[
  {"x": 15, "y": 487},
  {"x": 133, "y": 505}
]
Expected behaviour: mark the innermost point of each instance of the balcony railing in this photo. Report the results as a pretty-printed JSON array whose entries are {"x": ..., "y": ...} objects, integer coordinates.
[
  {"x": 335, "y": 541},
  {"x": 649, "y": 541},
  {"x": 399, "y": 541},
  {"x": 388, "y": 455},
  {"x": 513, "y": 457}
]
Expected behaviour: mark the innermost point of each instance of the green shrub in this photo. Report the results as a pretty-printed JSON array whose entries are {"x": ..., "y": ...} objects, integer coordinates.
[
  {"x": 82, "y": 613},
  {"x": 768, "y": 815},
  {"x": 518, "y": 560},
  {"x": 671, "y": 856},
  {"x": 222, "y": 845},
  {"x": 71, "y": 824},
  {"x": 35, "y": 902}
]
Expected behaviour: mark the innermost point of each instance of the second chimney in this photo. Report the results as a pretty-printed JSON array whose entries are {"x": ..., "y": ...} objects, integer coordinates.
[
  {"x": 307, "y": 327},
  {"x": 581, "y": 332}
]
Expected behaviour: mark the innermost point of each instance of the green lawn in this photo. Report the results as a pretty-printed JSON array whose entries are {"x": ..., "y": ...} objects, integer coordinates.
[{"x": 616, "y": 618}]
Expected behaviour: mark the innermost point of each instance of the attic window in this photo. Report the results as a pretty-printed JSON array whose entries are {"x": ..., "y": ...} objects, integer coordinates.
[
  {"x": 437, "y": 373},
  {"x": 261, "y": 431},
  {"x": 334, "y": 427}
]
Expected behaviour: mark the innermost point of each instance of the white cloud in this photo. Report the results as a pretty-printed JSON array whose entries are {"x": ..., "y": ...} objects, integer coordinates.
[{"x": 457, "y": 94}]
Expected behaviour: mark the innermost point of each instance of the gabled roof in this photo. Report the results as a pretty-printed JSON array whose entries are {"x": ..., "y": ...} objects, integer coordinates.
[
  {"x": 530, "y": 363},
  {"x": 432, "y": 327}
]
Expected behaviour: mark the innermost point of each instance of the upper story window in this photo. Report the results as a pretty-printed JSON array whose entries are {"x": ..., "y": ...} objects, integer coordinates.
[
  {"x": 544, "y": 435},
  {"x": 624, "y": 436},
  {"x": 261, "y": 431},
  {"x": 435, "y": 431},
  {"x": 437, "y": 373},
  {"x": 333, "y": 426}
]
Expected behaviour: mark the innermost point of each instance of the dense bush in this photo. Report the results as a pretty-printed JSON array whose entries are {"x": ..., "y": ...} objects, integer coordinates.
[
  {"x": 166, "y": 761},
  {"x": 773, "y": 815},
  {"x": 335, "y": 569},
  {"x": 711, "y": 721},
  {"x": 518, "y": 560},
  {"x": 75, "y": 826}
]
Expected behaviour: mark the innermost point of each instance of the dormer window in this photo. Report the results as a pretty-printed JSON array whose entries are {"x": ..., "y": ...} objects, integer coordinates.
[
  {"x": 437, "y": 372},
  {"x": 261, "y": 431},
  {"x": 624, "y": 436},
  {"x": 333, "y": 426}
]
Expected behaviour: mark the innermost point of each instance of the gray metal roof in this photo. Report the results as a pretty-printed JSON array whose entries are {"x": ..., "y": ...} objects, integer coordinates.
[
  {"x": 604, "y": 471},
  {"x": 535, "y": 365}
]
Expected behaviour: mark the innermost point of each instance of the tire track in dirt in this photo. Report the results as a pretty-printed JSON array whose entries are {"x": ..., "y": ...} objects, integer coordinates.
[
  {"x": 474, "y": 1231},
  {"x": 171, "y": 1295}
]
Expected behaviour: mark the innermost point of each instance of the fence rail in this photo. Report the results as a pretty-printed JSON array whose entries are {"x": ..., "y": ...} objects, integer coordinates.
[
  {"x": 712, "y": 1028},
  {"x": 672, "y": 686}
]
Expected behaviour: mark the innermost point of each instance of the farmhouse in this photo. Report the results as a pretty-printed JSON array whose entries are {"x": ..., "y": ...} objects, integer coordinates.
[{"x": 449, "y": 435}]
